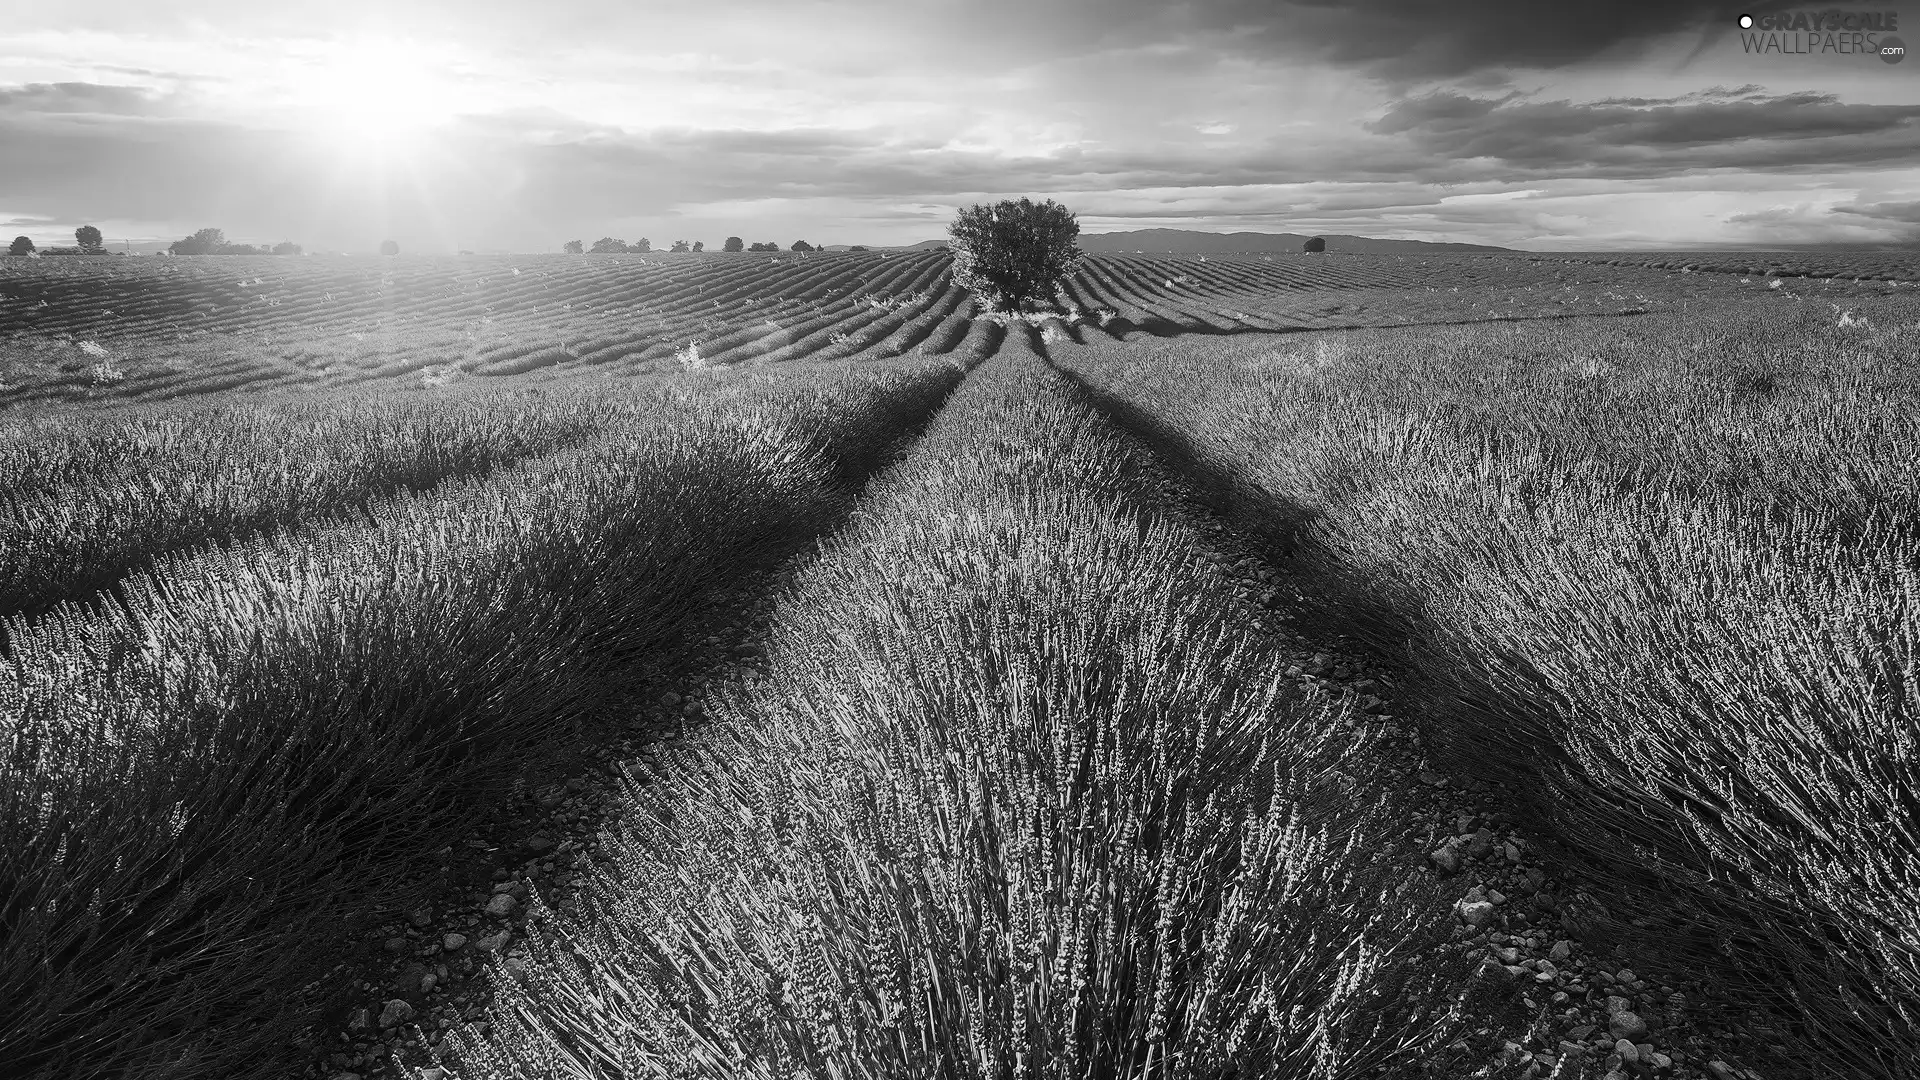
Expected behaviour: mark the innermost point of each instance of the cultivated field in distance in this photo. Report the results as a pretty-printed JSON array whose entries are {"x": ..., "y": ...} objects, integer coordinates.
[
  {"x": 95, "y": 329},
  {"x": 711, "y": 665}
]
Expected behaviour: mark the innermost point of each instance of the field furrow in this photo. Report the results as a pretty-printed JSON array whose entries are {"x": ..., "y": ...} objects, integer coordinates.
[
  {"x": 262, "y": 736},
  {"x": 1653, "y": 581},
  {"x": 1012, "y": 765}
]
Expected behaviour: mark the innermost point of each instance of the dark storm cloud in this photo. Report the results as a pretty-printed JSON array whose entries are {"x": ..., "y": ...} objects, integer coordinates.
[
  {"x": 1417, "y": 38},
  {"x": 1400, "y": 40},
  {"x": 1650, "y": 137}
]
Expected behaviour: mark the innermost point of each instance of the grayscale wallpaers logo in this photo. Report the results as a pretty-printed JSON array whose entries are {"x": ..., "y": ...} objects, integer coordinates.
[{"x": 1809, "y": 33}]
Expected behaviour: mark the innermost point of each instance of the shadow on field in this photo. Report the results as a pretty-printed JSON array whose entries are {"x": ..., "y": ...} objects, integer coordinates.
[
  {"x": 428, "y": 943},
  {"x": 1121, "y": 328},
  {"x": 1503, "y": 703}
]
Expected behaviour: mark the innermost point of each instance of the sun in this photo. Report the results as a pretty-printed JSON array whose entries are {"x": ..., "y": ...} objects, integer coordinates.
[{"x": 371, "y": 94}]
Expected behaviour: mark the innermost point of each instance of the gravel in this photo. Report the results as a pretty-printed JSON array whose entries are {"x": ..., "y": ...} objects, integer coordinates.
[
  {"x": 396, "y": 1011},
  {"x": 1626, "y": 1026}
]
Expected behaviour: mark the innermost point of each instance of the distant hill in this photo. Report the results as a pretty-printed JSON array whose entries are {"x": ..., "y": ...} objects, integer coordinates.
[{"x": 1194, "y": 242}]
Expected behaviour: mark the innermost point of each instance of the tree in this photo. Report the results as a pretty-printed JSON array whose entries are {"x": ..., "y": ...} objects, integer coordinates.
[
  {"x": 21, "y": 246},
  {"x": 699, "y": 245},
  {"x": 679, "y": 245},
  {"x": 733, "y": 244},
  {"x": 202, "y": 242},
  {"x": 89, "y": 238},
  {"x": 642, "y": 245},
  {"x": 858, "y": 247},
  {"x": 1014, "y": 252},
  {"x": 574, "y": 247},
  {"x": 286, "y": 247},
  {"x": 389, "y": 247},
  {"x": 768, "y": 246},
  {"x": 1315, "y": 244},
  {"x": 801, "y": 245},
  {"x": 607, "y": 245}
]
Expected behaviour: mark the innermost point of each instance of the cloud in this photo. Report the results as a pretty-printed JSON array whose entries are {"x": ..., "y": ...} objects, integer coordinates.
[
  {"x": 1408, "y": 40},
  {"x": 528, "y": 179},
  {"x": 1412, "y": 40},
  {"x": 1821, "y": 222},
  {"x": 598, "y": 118},
  {"x": 1398, "y": 41},
  {"x": 1906, "y": 212},
  {"x": 1897, "y": 222},
  {"x": 1652, "y": 137},
  {"x": 80, "y": 98}
]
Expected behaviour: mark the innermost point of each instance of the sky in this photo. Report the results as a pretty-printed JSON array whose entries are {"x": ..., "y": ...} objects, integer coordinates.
[{"x": 491, "y": 125}]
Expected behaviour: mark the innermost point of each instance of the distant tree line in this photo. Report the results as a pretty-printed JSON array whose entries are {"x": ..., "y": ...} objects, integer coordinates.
[
  {"x": 214, "y": 242},
  {"x": 87, "y": 241},
  {"x": 608, "y": 245}
]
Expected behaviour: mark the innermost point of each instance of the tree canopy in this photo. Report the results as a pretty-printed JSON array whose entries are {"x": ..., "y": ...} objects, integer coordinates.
[
  {"x": 202, "y": 242},
  {"x": 1014, "y": 252}
]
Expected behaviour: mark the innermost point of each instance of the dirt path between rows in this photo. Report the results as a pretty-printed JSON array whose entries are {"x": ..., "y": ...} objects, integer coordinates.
[{"x": 413, "y": 972}]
